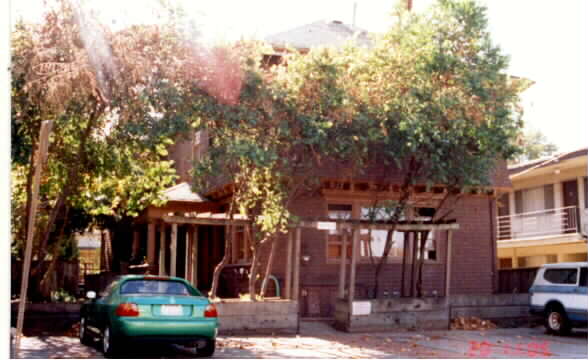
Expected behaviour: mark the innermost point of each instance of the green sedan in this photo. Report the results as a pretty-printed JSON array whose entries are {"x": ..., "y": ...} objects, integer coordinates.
[{"x": 149, "y": 308}]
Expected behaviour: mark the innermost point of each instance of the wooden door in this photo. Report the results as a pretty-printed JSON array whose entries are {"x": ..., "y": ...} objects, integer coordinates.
[{"x": 570, "y": 198}]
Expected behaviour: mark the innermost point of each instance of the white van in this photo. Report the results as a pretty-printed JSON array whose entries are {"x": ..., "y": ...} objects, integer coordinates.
[{"x": 560, "y": 294}]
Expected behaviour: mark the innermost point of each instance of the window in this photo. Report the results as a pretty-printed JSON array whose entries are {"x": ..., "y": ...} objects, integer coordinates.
[
  {"x": 373, "y": 241},
  {"x": 200, "y": 147},
  {"x": 583, "y": 277},
  {"x": 534, "y": 199},
  {"x": 335, "y": 237},
  {"x": 154, "y": 287},
  {"x": 561, "y": 276},
  {"x": 241, "y": 245},
  {"x": 505, "y": 263}
]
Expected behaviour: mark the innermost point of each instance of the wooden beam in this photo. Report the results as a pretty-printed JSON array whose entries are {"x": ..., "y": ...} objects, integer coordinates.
[
  {"x": 448, "y": 264},
  {"x": 349, "y": 225},
  {"x": 414, "y": 245},
  {"x": 353, "y": 270},
  {"x": 296, "y": 282},
  {"x": 404, "y": 256},
  {"x": 174, "y": 250},
  {"x": 162, "y": 248},
  {"x": 288, "y": 270},
  {"x": 39, "y": 160},
  {"x": 234, "y": 248},
  {"x": 151, "y": 247},
  {"x": 342, "y": 267}
]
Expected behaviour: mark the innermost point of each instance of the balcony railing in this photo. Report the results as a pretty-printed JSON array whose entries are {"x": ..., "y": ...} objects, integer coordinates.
[{"x": 534, "y": 224}]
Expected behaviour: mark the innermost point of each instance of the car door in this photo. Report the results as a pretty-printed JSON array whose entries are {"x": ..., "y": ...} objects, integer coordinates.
[{"x": 582, "y": 292}]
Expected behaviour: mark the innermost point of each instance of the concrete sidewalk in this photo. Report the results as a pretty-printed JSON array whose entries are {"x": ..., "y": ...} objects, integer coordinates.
[{"x": 320, "y": 341}]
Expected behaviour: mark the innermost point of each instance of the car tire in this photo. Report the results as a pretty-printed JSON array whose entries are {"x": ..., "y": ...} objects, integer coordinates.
[
  {"x": 110, "y": 346},
  {"x": 208, "y": 349},
  {"x": 556, "y": 321},
  {"x": 84, "y": 336}
]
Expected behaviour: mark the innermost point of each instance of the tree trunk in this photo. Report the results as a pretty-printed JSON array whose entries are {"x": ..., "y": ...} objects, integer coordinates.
[
  {"x": 228, "y": 250},
  {"x": 268, "y": 267},
  {"x": 419, "y": 284},
  {"x": 253, "y": 273},
  {"x": 380, "y": 264}
]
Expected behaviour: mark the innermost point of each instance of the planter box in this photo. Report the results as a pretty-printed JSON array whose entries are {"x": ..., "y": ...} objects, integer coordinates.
[
  {"x": 237, "y": 316},
  {"x": 392, "y": 314}
]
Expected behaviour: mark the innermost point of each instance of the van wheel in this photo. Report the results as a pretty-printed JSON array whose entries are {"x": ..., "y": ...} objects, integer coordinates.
[{"x": 556, "y": 321}]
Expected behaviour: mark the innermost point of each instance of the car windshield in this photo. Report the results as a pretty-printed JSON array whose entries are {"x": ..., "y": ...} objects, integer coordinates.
[{"x": 154, "y": 287}]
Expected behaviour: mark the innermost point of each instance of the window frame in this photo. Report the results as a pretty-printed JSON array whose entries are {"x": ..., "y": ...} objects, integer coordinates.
[{"x": 356, "y": 206}]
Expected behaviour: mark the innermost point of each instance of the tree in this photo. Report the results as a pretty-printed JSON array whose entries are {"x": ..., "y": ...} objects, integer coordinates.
[
  {"x": 430, "y": 101},
  {"x": 436, "y": 87},
  {"x": 534, "y": 145},
  {"x": 116, "y": 102}
]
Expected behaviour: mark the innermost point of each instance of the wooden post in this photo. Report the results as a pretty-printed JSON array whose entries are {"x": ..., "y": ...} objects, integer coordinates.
[
  {"x": 342, "y": 267},
  {"x": 414, "y": 244},
  {"x": 404, "y": 256},
  {"x": 234, "y": 248},
  {"x": 187, "y": 254},
  {"x": 195, "y": 257},
  {"x": 40, "y": 158},
  {"x": 174, "y": 249},
  {"x": 296, "y": 282},
  {"x": 136, "y": 244},
  {"x": 151, "y": 247},
  {"x": 448, "y": 264},
  {"x": 162, "y": 247},
  {"x": 352, "y": 271},
  {"x": 247, "y": 241},
  {"x": 288, "y": 283}
]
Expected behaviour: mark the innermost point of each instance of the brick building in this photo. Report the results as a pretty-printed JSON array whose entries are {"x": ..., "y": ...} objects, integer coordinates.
[{"x": 176, "y": 243}]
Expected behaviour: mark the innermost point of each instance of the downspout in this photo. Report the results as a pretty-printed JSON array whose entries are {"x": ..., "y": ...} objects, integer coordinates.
[{"x": 492, "y": 245}]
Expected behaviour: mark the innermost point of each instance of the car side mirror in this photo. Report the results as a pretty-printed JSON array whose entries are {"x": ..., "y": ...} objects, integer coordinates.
[{"x": 91, "y": 295}]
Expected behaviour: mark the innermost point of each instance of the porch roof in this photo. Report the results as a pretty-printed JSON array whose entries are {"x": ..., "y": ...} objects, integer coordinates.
[{"x": 183, "y": 192}]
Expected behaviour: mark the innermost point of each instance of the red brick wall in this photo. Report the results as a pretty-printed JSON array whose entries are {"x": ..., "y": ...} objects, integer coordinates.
[{"x": 472, "y": 259}]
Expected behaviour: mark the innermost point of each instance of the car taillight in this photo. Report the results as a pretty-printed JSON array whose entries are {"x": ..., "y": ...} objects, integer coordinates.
[
  {"x": 210, "y": 311},
  {"x": 127, "y": 309}
]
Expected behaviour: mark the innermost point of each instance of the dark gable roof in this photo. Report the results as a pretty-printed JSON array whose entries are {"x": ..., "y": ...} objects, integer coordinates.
[
  {"x": 543, "y": 162},
  {"x": 319, "y": 33}
]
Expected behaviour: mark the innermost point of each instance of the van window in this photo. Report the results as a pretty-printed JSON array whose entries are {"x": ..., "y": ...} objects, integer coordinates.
[
  {"x": 583, "y": 277},
  {"x": 561, "y": 276}
]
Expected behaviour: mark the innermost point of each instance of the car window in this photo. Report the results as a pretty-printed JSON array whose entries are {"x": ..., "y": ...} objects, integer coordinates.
[
  {"x": 155, "y": 287},
  {"x": 561, "y": 276},
  {"x": 583, "y": 277},
  {"x": 106, "y": 292}
]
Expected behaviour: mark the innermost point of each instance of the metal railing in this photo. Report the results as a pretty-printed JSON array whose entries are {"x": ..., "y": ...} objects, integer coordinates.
[{"x": 534, "y": 224}]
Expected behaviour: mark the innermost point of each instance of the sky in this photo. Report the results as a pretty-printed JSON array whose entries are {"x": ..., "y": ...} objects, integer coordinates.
[{"x": 547, "y": 41}]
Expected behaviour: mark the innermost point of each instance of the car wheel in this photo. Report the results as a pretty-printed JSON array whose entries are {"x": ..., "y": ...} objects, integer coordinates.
[
  {"x": 556, "y": 321},
  {"x": 208, "y": 349},
  {"x": 84, "y": 337},
  {"x": 109, "y": 344}
]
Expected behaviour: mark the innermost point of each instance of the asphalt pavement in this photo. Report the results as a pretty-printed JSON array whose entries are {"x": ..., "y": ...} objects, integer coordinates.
[{"x": 318, "y": 340}]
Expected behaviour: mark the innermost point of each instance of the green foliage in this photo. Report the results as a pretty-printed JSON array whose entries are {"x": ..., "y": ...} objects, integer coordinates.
[
  {"x": 62, "y": 296},
  {"x": 534, "y": 145}
]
